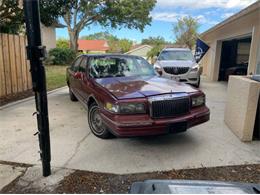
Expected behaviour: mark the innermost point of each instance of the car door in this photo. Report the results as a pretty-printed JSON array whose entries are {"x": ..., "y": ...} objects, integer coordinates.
[
  {"x": 83, "y": 72},
  {"x": 87, "y": 84},
  {"x": 75, "y": 77}
]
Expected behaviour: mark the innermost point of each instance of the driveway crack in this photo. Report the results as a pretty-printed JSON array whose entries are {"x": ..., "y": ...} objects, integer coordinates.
[{"x": 76, "y": 149}]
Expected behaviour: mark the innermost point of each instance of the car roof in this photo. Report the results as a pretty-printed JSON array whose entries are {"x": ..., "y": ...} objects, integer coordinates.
[
  {"x": 176, "y": 49},
  {"x": 109, "y": 55}
]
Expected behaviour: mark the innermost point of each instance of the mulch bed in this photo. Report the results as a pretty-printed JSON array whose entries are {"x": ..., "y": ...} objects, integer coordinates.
[
  {"x": 89, "y": 182},
  {"x": 14, "y": 97}
]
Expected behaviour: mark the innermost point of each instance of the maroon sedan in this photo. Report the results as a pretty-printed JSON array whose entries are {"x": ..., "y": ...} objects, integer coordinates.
[{"x": 125, "y": 97}]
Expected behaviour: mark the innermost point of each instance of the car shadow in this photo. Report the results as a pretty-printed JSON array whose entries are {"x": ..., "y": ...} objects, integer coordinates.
[{"x": 166, "y": 140}]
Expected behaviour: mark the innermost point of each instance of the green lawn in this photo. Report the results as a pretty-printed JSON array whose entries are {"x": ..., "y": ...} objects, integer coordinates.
[{"x": 55, "y": 76}]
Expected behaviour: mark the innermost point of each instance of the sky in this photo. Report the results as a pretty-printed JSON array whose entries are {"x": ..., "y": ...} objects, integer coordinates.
[{"x": 166, "y": 13}]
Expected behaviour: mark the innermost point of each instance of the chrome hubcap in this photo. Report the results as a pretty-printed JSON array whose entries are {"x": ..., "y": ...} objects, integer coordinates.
[{"x": 96, "y": 121}]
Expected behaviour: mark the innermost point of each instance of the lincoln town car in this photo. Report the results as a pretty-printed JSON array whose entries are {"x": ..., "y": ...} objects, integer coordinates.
[{"x": 126, "y": 97}]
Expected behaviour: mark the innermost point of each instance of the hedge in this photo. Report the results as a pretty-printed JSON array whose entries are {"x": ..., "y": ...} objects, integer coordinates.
[{"x": 60, "y": 56}]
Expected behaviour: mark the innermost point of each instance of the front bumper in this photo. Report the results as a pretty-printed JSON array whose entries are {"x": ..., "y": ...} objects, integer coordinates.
[
  {"x": 143, "y": 125},
  {"x": 190, "y": 77}
]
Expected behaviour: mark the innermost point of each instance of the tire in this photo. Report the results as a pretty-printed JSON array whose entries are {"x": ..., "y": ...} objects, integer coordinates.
[
  {"x": 96, "y": 124},
  {"x": 72, "y": 96}
]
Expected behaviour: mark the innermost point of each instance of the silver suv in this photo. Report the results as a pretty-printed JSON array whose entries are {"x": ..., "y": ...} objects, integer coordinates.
[{"x": 178, "y": 64}]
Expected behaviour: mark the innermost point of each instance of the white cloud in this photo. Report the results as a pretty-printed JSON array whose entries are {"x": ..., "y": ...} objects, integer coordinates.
[
  {"x": 167, "y": 16},
  {"x": 227, "y": 15},
  {"x": 204, "y": 20},
  {"x": 173, "y": 17},
  {"x": 205, "y": 3}
]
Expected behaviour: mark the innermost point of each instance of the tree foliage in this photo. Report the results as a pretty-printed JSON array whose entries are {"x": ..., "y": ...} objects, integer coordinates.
[
  {"x": 78, "y": 14},
  {"x": 12, "y": 14},
  {"x": 186, "y": 31},
  {"x": 60, "y": 56},
  {"x": 117, "y": 13},
  {"x": 51, "y": 10},
  {"x": 125, "y": 45},
  {"x": 62, "y": 43},
  {"x": 154, "y": 41},
  {"x": 155, "y": 51},
  {"x": 100, "y": 36}
]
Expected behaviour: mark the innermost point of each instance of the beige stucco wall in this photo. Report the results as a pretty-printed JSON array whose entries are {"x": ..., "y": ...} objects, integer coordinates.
[
  {"x": 240, "y": 111},
  {"x": 243, "y": 26},
  {"x": 48, "y": 37}
]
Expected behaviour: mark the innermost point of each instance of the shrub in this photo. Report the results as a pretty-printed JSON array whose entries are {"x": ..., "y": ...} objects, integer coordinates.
[
  {"x": 62, "y": 43},
  {"x": 60, "y": 56}
]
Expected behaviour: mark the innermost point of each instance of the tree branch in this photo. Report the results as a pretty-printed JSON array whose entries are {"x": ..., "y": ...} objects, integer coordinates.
[
  {"x": 75, "y": 14},
  {"x": 67, "y": 19}
]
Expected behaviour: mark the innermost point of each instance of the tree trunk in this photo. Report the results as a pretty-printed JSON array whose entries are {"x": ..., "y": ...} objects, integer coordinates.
[{"x": 74, "y": 36}]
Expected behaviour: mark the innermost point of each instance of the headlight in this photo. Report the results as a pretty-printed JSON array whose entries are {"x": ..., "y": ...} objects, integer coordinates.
[
  {"x": 126, "y": 108},
  {"x": 195, "y": 68},
  {"x": 198, "y": 101},
  {"x": 112, "y": 107}
]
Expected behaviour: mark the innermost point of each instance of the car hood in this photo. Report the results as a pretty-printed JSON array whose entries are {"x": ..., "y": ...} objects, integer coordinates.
[
  {"x": 142, "y": 86},
  {"x": 176, "y": 63}
]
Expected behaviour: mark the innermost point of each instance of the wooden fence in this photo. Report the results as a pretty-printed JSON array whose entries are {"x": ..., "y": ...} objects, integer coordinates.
[{"x": 14, "y": 67}]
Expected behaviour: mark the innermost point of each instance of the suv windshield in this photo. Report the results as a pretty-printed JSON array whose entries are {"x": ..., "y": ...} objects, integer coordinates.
[
  {"x": 176, "y": 55},
  {"x": 117, "y": 66}
]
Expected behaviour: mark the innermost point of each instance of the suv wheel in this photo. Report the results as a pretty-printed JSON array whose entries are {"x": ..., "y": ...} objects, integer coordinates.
[
  {"x": 72, "y": 96},
  {"x": 96, "y": 123}
]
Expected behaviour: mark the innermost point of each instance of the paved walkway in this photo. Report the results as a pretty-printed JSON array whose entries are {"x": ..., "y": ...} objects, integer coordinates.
[{"x": 74, "y": 146}]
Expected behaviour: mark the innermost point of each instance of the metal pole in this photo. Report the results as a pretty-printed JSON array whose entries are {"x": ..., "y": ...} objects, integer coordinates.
[{"x": 36, "y": 53}]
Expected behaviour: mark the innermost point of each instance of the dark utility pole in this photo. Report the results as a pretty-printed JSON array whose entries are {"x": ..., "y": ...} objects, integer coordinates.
[{"x": 36, "y": 53}]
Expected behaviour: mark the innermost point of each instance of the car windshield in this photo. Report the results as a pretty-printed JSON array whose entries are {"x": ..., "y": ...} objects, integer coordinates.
[
  {"x": 114, "y": 66},
  {"x": 176, "y": 55}
]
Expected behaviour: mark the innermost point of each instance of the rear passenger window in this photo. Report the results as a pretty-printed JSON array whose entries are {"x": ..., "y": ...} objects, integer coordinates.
[{"x": 75, "y": 65}]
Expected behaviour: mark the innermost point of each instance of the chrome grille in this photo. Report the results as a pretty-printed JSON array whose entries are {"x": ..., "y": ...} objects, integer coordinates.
[
  {"x": 176, "y": 70},
  {"x": 170, "y": 107}
]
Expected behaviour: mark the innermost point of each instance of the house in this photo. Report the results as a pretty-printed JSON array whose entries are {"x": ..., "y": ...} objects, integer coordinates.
[
  {"x": 49, "y": 35},
  {"x": 93, "y": 46},
  {"x": 235, "y": 50},
  {"x": 140, "y": 50},
  {"x": 233, "y": 42}
]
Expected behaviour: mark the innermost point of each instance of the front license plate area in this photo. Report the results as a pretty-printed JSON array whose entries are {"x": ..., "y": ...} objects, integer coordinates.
[
  {"x": 177, "y": 127},
  {"x": 176, "y": 78}
]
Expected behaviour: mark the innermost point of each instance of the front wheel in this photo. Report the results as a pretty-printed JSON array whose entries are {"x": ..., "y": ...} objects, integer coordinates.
[{"x": 96, "y": 123}]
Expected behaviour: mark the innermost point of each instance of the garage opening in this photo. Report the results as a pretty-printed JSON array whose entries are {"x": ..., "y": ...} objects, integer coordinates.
[
  {"x": 256, "y": 135},
  {"x": 234, "y": 58}
]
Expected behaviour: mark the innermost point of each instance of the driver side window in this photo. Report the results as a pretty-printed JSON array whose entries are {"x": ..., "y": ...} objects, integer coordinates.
[
  {"x": 83, "y": 64},
  {"x": 75, "y": 65}
]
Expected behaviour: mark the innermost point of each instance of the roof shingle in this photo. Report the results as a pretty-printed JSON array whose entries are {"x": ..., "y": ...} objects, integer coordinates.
[{"x": 93, "y": 45}]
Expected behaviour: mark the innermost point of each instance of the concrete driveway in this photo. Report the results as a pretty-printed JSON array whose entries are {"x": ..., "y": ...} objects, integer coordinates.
[{"x": 74, "y": 146}]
